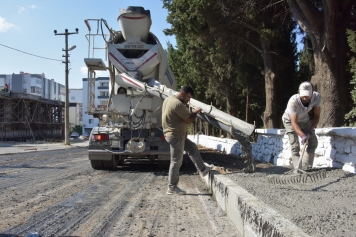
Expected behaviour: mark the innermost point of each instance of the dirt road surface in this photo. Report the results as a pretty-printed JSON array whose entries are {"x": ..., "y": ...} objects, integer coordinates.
[{"x": 57, "y": 193}]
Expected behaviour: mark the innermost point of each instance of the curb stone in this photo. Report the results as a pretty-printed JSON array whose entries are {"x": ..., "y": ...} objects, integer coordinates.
[{"x": 250, "y": 216}]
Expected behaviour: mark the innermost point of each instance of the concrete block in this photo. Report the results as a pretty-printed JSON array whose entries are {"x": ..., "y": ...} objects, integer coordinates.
[
  {"x": 347, "y": 149},
  {"x": 330, "y": 153},
  {"x": 271, "y": 131},
  {"x": 248, "y": 232},
  {"x": 319, "y": 151},
  {"x": 349, "y": 168},
  {"x": 221, "y": 188},
  {"x": 250, "y": 216},
  {"x": 353, "y": 150},
  {"x": 321, "y": 162},
  {"x": 234, "y": 213},
  {"x": 341, "y": 132},
  {"x": 335, "y": 164},
  {"x": 345, "y": 158},
  {"x": 339, "y": 145},
  {"x": 283, "y": 162},
  {"x": 348, "y": 144}
]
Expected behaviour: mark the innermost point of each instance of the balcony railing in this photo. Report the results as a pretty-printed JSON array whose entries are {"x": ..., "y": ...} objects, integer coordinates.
[{"x": 103, "y": 88}]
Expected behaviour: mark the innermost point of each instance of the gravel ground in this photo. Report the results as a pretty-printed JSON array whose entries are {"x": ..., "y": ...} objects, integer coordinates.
[
  {"x": 57, "y": 193},
  {"x": 325, "y": 207}
]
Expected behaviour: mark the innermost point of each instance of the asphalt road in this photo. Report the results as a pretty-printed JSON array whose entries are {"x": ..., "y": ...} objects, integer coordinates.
[{"x": 57, "y": 193}]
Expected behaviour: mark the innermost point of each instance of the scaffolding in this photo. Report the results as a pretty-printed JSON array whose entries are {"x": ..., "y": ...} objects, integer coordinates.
[{"x": 25, "y": 117}]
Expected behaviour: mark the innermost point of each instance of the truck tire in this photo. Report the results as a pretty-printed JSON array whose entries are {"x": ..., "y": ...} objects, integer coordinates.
[
  {"x": 97, "y": 164},
  {"x": 110, "y": 164},
  {"x": 120, "y": 160}
]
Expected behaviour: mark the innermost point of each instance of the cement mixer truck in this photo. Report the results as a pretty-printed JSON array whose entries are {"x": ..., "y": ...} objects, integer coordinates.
[{"x": 130, "y": 127}]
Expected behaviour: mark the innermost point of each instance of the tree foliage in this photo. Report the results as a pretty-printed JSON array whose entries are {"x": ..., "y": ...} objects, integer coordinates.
[
  {"x": 306, "y": 62},
  {"x": 77, "y": 128},
  {"x": 219, "y": 49},
  {"x": 350, "y": 117}
]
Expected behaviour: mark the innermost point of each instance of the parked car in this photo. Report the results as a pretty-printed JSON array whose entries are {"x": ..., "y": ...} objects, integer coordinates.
[{"x": 74, "y": 135}]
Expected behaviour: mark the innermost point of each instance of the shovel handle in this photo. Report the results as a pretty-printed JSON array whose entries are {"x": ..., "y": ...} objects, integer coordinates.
[{"x": 301, "y": 156}]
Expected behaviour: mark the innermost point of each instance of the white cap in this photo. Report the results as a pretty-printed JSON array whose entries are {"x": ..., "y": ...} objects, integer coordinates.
[{"x": 306, "y": 89}]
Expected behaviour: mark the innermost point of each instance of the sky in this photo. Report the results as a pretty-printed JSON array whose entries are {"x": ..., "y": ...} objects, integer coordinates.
[{"x": 28, "y": 26}]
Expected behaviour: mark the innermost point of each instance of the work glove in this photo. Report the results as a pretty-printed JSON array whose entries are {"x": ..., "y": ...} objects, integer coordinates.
[{"x": 304, "y": 139}]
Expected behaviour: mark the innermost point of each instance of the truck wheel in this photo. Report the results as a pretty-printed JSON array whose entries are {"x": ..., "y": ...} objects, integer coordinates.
[
  {"x": 120, "y": 160},
  {"x": 97, "y": 164},
  {"x": 110, "y": 164}
]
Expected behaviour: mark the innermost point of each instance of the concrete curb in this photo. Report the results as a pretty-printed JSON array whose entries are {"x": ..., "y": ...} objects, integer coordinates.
[{"x": 250, "y": 216}]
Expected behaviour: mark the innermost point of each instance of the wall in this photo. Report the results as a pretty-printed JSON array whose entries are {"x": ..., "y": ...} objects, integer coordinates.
[
  {"x": 87, "y": 127},
  {"x": 75, "y": 106},
  {"x": 336, "y": 147},
  {"x": 75, "y": 95},
  {"x": 22, "y": 83}
]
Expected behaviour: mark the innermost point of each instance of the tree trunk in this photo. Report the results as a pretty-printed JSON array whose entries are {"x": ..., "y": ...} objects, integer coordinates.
[
  {"x": 327, "y": 85},
  {"x": 270, "y": 115},
  {"x": 329, "y": 78},
  {"x": 247, "y": 104},
  {"x": 229, "y": 99}
]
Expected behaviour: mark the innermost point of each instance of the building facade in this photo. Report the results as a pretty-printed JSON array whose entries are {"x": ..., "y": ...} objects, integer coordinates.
[
  {"x": 101, "y": 101},
  {"x": 35, "y": 84},
  {"x": 75, "y": 107}
]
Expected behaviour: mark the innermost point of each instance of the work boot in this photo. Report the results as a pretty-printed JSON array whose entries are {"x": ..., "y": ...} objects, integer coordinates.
[
  {"x": 175, "y": 190},
  {"x": 308, "y": 160},
  {"x": 295, "y": 160}
]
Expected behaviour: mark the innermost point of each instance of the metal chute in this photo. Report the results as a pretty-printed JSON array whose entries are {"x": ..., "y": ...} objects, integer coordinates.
[{"x": 210, "y": 114}]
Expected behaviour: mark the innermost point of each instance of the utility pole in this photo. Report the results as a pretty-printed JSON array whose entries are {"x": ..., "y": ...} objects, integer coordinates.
[{"x": 66, "y": 118}]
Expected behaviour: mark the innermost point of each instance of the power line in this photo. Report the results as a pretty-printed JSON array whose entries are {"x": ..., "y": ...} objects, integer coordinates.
[{"x": 31, "y": 54}]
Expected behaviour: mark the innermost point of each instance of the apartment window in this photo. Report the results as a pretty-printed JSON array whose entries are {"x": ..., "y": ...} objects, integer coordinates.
[
  {"x": 91, "y": 121},
  {"x": 24, "y": 81},
  {"x": 24, "y": 90},
  {"x": 104, "y": 84},
  {"x": 35, "y": 90},
  {"x": 104, "y": 102},
  {"x": 72, "y": 98},
  {"x": 103, "y": 93}
]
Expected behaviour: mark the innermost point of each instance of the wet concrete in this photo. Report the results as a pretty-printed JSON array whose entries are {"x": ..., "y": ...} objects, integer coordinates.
[{"x": 321, "y": 208}]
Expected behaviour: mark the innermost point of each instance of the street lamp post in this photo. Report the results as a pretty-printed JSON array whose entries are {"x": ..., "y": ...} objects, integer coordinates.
[{"x": 66, "y": 119}]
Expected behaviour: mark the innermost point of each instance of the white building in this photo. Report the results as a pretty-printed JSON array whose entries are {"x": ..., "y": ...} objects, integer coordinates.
[
  {"x": 75, "y": 107},
  {"x": 101, "y": 100},
  {"x": 35, "y": 84}
]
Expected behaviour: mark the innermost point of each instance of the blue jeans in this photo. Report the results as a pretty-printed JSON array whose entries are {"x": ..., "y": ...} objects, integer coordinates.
[{"x": 177, "y": 146}]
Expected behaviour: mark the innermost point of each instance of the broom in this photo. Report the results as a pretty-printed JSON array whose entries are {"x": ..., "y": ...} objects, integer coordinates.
[{"x": 297, "y": 175}]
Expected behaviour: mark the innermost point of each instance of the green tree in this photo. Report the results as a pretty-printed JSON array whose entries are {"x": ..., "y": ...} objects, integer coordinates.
[
  {"x": 77, "y": 128},
  {"x": 306, "y": 61},
  {"x": 350, "y": 117},
  {"x": 214, "y": 37}
]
